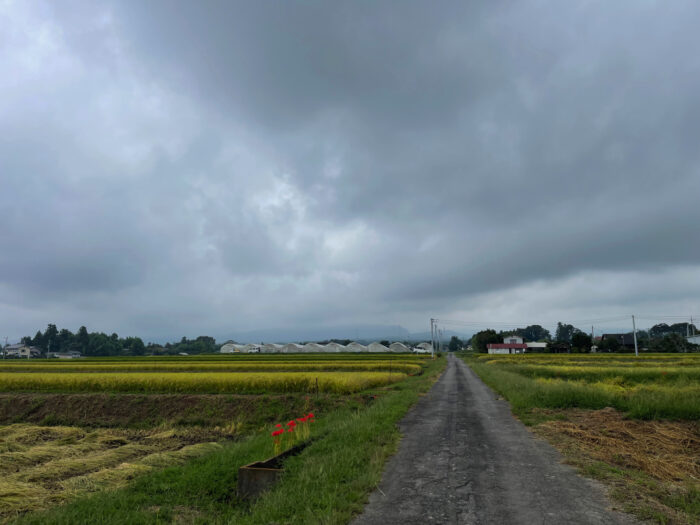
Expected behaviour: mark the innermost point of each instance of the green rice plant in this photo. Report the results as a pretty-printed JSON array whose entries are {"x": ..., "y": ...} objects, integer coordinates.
[{"x": 645, "y": 393}]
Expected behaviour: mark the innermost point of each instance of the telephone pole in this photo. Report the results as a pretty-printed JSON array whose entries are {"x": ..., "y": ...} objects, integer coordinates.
[{"x": 634, "y": 331}]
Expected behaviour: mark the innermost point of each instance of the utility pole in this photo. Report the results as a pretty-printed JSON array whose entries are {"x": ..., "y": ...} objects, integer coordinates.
[
  {"x": 4, "y": 348},
  {"x": 634, "y": 331},
  {"x": 432, "y": 336}
]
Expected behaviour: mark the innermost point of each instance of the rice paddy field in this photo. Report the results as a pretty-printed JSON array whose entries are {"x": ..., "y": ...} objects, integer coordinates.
[
  {"x": 630, "y": 422},
  {"x": 645, "y": 387},
  {"x": 74, "y": 430}
]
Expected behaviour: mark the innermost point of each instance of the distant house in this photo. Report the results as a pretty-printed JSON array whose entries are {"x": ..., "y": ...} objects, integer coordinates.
[
  {"x": 21, "y": 351},
  {"x": 626, "y": 340},
  {"x": 512, "y": 344}
]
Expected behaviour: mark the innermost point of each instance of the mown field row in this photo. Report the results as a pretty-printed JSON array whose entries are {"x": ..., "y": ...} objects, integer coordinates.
[
  {"x": 146, "y": 366},
  {"x": 44, "y": 466},
  {"x": 200, "y": 382},
  {"x": 647, "y": 392}
]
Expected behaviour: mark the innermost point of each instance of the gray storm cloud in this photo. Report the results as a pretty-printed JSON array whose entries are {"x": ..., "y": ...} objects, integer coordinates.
[{"x": 224, "y": 166}]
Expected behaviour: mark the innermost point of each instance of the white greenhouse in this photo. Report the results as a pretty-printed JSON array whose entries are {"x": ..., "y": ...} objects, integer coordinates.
[
  {"x": 356, "y": 347},
  {"x": 399, "y": 348},
  {"x": 377, "y": 348}
]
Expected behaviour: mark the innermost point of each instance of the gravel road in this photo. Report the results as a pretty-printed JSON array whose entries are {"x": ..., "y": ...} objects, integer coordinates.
[{"x": 465, "y": 459}]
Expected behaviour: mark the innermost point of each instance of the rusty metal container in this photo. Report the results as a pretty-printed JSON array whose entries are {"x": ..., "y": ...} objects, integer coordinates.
[{"x": 256, "y": 478}]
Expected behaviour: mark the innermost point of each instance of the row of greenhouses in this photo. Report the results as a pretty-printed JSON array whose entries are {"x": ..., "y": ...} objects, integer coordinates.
[{"x": 316, "y": 348}]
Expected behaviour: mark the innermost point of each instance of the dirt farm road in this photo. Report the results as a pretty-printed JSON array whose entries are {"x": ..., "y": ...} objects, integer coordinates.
[{"x": 465, "y": 459}]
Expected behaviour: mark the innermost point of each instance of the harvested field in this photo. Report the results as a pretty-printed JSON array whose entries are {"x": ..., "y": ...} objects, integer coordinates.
[
  {"x": 42, "y": 466},
  {"x": 652, "y": 467}
]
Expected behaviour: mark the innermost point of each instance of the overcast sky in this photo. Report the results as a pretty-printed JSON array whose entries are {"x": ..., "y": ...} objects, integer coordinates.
[{"x": 187, "y": 168}]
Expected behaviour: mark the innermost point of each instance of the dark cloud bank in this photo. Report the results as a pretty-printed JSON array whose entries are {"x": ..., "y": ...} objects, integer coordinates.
[{"x": 219, "y": 167}]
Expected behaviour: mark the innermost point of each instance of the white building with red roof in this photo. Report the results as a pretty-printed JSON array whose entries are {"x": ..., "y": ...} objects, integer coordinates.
[{"x": 512, "y": 344}]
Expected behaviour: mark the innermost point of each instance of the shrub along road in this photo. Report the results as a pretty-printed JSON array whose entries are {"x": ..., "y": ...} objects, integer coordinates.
[{"x": 465, "y": 459}]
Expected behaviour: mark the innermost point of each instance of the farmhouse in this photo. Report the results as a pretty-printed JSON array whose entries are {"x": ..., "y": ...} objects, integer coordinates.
[
  {"x": 21, "y": 351},
  {"x": 512, "y": 344}
]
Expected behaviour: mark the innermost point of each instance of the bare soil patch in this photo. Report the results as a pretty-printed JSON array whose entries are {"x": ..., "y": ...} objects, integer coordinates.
[{"x": 247, "y": 412}]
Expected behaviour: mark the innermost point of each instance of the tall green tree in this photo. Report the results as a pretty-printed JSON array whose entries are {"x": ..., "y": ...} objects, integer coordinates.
[
  {"x": 483, "y": 338},
  {"x": 455, "y": 344},
  {"x": 581, "y": 342},
  {"x": 82, "y": 340},
  {"x": 534, "y": 332},
  {"x": 565, "y": 332}
]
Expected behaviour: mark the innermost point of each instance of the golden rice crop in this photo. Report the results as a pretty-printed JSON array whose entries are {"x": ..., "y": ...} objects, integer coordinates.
[
  {"x": 202, "y": 382},
  {"x": 371, "y": 366}
]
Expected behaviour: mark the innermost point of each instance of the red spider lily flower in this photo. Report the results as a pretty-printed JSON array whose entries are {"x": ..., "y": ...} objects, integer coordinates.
[
  {"x": 291, "y": 423},
  {"x": 301, "y": 419},
  {"x": 277, "y": 432},
  {"x": 310, "y": 415},
  {"x": 279, "y": 425},
  {"x": 290, "y": 429}
]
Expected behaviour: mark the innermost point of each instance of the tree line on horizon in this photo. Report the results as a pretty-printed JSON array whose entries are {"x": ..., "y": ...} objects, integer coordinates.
[
  {"x": 660, "y": 338},
  {"x": 99, "y": 344}
]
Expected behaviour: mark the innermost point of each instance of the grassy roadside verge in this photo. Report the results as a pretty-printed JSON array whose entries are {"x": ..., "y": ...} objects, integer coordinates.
[
  {"x": 650, "y": 464},
  {"x": 327, "y": 483}
]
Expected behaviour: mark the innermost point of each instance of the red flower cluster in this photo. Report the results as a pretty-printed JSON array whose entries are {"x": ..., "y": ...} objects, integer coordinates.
[{"x": 289, "y": 430}]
